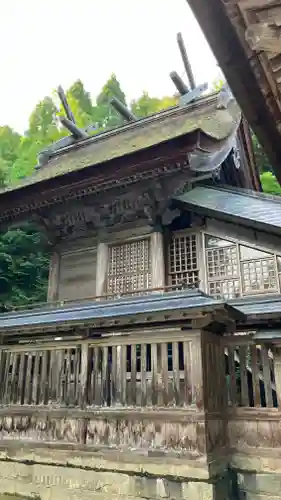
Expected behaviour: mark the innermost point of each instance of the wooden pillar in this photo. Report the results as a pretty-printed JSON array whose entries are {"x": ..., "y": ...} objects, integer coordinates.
[
  {"x": 157, "y": 260},
  {"x": 53, "y": 286},
  {"x": 277, "y": 373},
  {"x": 197, "y": 375},
  {"x": 102, "y": 262}
]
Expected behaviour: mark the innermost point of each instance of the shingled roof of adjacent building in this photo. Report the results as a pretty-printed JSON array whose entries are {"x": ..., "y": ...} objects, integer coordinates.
[
  {"x": 245, "y": 37},
  {"x": 214, "y": 124},
  {"x": 90, "y": 312},
  {"x": 246, "y": 207}
]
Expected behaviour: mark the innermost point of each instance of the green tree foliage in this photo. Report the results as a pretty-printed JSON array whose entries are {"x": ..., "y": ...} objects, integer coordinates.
[
  {"x": 146, "y": 105},
  {"x": 270, "y": 184},
  {"x": 108, "y": 116},
  {"x": 78, "y": 92},
  {"x": 24, "y": 264}
]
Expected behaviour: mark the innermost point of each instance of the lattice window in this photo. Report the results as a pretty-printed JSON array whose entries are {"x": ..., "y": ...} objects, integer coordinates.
[
  {"x": 258, "y": 271},
  {"x": 183, "y": 260},
  {"x": 222, "y": 268},
  {"x": 129, "y": 267},
  {"x": 234, "y": 269}
]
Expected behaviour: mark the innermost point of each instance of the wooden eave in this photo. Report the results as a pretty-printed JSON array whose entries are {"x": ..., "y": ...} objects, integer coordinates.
[
  {"x": 180, "y": 122},
  {"x": 245, "y": 38},
  {"x": 208, "y": 133}
]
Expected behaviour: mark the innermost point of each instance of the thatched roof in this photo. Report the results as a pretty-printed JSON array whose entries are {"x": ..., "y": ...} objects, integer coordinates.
[{"x": 203, "y": 116}]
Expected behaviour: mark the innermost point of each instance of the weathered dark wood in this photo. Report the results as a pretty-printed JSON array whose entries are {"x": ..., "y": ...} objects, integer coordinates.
[
  {"x": 123, "y": 110},
  {"x": 65, "y": 104},
  {"x": 186, "y": 62},
  {"x": 28, "y": 379},
  {"x": 266, "y": 376},
  {"x": 77, "y": 132},
  {"x": 154, "y": 375},
  {"x": 133, "y": 385},
  {"x": 164, "y": 372},
  {"x": 176, "y": 375},
  {"x": 255, "y": 375},
  {"x": 243, "y": 376},
  {"x": 187, "y": 373},
  {"x": 143, "y": 375},
  {"x": 35, "y": 378}
]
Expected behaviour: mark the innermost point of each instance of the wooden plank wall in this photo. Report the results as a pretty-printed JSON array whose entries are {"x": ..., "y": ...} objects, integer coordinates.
[{"x": 77, "y": 277}]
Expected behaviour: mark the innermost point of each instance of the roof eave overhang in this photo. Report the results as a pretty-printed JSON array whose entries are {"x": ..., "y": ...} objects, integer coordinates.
[{"x": 256, "y": 90}]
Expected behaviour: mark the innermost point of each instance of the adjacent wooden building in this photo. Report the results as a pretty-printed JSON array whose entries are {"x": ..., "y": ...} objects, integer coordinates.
[{"x": 152, "y": 369}]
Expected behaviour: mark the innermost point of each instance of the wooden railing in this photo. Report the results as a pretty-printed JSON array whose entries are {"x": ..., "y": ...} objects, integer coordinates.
[
  {"x": 250, "y": 374},
  {"x": 108, "y": 372},
  {"x": 174, "y": 391}
]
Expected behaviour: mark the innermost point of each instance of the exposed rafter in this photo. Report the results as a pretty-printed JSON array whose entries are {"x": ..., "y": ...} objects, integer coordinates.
[
  {"x": 123, "y": 110},
  {"x": 186, "y": 63}
]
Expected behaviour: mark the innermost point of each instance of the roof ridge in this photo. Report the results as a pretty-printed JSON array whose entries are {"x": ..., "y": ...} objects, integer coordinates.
[{"x": 141, "y": 122}]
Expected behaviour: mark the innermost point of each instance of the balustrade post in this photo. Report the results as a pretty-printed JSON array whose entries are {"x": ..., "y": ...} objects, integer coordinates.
[{"x": 277, "y": 373}]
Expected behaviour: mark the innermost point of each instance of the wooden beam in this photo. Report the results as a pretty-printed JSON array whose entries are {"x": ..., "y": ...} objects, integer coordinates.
[
  {"x": 65, "y": 104},
  {"x": 185, "y": 60},
  {"x": 75, "y": 131},
  {"x": 263, "y": 37},
  {"x": 123, "y": 110},
  {"x": 179, "y": 83}
]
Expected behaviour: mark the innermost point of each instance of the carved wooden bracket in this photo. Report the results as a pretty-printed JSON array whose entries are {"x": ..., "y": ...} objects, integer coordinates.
[{"x": 264, "y": 37}]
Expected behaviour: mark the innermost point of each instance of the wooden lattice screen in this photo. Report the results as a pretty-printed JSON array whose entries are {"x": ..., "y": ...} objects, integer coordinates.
[
  {"x": 183, "y": 260},
  {"x": 129, "y": 267}
]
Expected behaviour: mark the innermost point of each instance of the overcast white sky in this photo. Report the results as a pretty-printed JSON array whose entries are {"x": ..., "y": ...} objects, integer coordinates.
[{"x": 46, "y": 43}]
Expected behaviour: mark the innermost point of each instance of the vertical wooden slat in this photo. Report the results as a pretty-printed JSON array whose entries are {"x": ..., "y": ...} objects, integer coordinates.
[
  {"x": 176, "y": 375},
  {"x": 266, "y": 376},
  {"x": 255, "y": 375},
  {"x": 6, "y": 380},
  {"x": 113, "y": 375},
  {"x": 232, "y": 376},
  {"x": 68, "y": 376},
  {"x": 51, "y": 384},
  {"x": 133, "y": 385},
  {"x": 84, "y": 375},
  {"x": 59, "y": 375},
  {"x": 187, "y": 373},
  {"x": 197, "y": 373},
  {"x": 27, "y": 391},
  {"x": 91, "y": 376},
  {"x": 119, "y": 374},
  {"x": 14, "y": 358},
  {"x": 104, "y": 374},
  {"x": 123, "y": 375},
  {"x": 21, "y": 378},
  {"x": 77, "y": 382},
  {"x": 35, "y": 378},
  {"x": 143, "y": 375},
  {"x": 43, "y": 378},
  {"x": 97, "y": 377},
  {"x": 154, "y": 375},
  {"x": 164, "y": 373},
  {"x": 277, "y": 373},
  {"x": 243, "y": 376}
]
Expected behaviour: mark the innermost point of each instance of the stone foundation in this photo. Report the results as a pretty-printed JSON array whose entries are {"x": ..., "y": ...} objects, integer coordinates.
[
  {"x": 259, "y": 486},
  {"x": 52, "y": 482}
]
